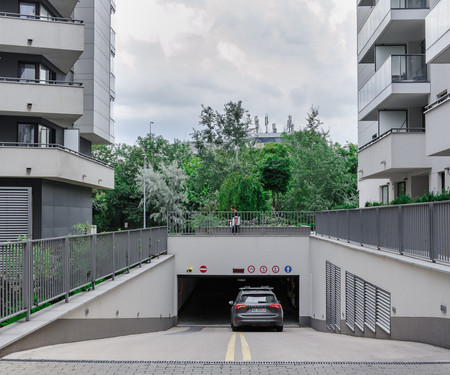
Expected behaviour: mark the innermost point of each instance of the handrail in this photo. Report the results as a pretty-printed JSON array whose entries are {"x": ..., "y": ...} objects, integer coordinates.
[
  {"x": 441, "y": 100},
  {"x": 38, "y": 17},
  {"x": 39, "y": 81},
  {"x": 390, "y": 131},
  {"x": 54, "y": 146}
]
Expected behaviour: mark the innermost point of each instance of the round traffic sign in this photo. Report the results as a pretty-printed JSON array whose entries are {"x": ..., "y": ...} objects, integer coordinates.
[
  {"x": 251, "y": 269},
  {"x": 203, "y": 269},
  {"x": 263, "y": 269},
  {"x": 275, "y": 269}
]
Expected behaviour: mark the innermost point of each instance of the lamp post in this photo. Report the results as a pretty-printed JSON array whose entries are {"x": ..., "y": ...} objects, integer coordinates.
[{"x": 145, "y": 162}]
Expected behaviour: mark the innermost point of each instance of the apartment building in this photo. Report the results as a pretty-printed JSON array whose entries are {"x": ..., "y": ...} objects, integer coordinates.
[
  {"x": 56, "y": 95},
  {"x": 403, "y": 109}
]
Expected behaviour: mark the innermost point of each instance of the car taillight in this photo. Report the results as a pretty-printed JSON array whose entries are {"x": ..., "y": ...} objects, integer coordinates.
[
  {"x": 275, "y": 306},
  {"x": 240, "y": 306}
]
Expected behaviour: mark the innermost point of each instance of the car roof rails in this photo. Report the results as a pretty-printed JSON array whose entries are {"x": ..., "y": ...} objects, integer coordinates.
[{"x": 245, "y": 288}]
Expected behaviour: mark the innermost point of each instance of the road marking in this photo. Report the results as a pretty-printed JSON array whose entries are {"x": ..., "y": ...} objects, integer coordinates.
[
  {"x": 231, "y": 348},
  {"x": 246, "y": 356}
]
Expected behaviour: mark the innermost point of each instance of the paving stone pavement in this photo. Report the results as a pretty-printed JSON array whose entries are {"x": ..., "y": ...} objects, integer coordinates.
[{"x": 57, "y": 367}]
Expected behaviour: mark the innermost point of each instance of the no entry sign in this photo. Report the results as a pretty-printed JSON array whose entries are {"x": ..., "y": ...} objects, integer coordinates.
[{"x": 203, "y": 269}]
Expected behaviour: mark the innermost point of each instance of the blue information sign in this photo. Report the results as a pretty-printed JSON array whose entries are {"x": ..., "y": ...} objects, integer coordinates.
[{"x": 288, "y": 269}]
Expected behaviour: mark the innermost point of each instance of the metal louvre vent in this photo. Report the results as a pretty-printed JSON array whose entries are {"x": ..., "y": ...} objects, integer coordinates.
[
  {"x": 15, "y": 213},
  {"x": 350, "y": 300},
  {"x": 366, "y": 305},
  {"x": 359, "y": 303},
  {"x": 384, "y": 310},
  {"x": 370, "y": 303},
  {"x": 333, "y": 296}
]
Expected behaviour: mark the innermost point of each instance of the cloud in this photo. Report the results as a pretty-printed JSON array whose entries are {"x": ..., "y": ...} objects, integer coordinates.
[{"x": 277, "y": 57}]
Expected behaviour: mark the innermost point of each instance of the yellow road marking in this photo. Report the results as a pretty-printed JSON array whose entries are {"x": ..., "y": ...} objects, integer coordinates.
[
  {"x": 246, "y": 356},
  {"x": 231, "y": 348}
]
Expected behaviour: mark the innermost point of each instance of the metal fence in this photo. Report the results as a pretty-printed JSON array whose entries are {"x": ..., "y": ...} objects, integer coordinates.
[
  {"x": 251, "y": 223},
  {"x": 33, "y": 273},
  {"x": 421, "y": 230}
]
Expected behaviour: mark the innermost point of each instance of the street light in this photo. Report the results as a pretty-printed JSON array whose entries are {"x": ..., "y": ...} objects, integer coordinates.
[{"x": 145, "y": 162}]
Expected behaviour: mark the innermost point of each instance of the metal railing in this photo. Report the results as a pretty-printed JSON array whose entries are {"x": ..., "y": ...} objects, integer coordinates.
[
  {"x": 40, "y": 81},
  {"x": 54, "y": 146},
  {"x": 38, "y": 17},
  {"x": 33, "y": 273},
  {"x": 251, "y": 223},
  {"x": 421, "y": 230}
]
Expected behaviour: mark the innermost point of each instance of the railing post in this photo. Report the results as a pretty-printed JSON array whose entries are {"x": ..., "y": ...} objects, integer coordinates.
[
  {"x": 93, "y": 261},
  {"x": 378, "y": 227},
  {"x": 432, "y": 239},
  {"x": 400, "y": 230},
  {"x": 361, "y": 228},
  {"x": 348, "y": 226},
  {"x": 66, "y": 269},
  {"x": 113, "y": 256},
  {"x": 28, "y": 278},
  {"x": 141, "y": 248},
  {"x": 128, "y": 251}
]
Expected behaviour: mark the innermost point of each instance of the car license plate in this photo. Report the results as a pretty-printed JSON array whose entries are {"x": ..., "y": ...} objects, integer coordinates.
[{"x": 258, "y": 310}]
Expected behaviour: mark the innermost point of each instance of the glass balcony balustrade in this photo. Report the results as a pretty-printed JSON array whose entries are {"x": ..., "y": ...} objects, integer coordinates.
[
  {"x": 396, "y": 69},
  {"x": 437, "y": 22},
  {"x": 379, "y": 13}
]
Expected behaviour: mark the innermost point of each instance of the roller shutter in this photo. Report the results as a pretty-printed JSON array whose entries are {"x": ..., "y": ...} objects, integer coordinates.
[{"x": 15, "y": 213}]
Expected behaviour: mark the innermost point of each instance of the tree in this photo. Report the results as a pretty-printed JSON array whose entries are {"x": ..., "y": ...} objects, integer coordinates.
[
  {"x": 165, "y": 190},
  {"x": 242, "y": 191},
  {"x": 275, "y": 171}
]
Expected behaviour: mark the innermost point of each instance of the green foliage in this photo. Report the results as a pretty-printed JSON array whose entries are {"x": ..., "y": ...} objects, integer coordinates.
[
  {"x": 242, "y": 191},
  {"x": 82, "y": 228}
]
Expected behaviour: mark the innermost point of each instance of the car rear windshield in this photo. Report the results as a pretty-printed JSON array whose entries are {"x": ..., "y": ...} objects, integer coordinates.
[{"x": 258, "y": 298}]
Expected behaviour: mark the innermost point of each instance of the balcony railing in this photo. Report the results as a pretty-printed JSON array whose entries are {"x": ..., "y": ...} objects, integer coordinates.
[
  {"x": 420, "y": 230},
  {"x": 54, "y": 146},
  {"x": 391, "y": 131},
  {"x": 396, "y": 69},
  {"x": 33, "y": 273},
  {"x": 40, "y": 81},
  {"x": 251, "y": 223},
  {"x": 437, "y": 22},
  {"x": 379, "y": 13},
  {"x": 37, "y": 17}
]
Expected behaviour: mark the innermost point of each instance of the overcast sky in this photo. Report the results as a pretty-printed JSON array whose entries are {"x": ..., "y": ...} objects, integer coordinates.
[{"x": 278, "y": 56}]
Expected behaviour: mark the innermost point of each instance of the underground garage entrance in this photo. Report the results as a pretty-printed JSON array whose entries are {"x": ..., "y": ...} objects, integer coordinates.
[{"x": 204, "y": 300}]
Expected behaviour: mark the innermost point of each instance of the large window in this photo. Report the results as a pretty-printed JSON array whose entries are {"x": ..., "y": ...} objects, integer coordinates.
[
  {"x": 34, "y": 72},
  {"x": 35, "y": 134},
  {"x": 384, "y": 192},
  {"x": 34, "y": 10},
  {"x": 401, "y": 188}
]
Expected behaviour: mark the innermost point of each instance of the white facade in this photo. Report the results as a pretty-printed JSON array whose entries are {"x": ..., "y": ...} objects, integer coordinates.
[
  {"x": 403, "y": 78},
  {"x": 57, "y": 89}
]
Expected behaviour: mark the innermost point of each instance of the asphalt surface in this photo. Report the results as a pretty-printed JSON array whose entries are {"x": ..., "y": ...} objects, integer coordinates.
[{"x": 217, "y": 350}]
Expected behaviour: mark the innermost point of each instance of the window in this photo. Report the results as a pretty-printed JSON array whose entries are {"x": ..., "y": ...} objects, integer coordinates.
[
  {"x": 27, "y": 72},
  {"x": 28, "y": 10},
  {"x": 401, "y": 188},
  {"x": 35, "y": 134},
  {"x": 442, "y": 181},
  {"x": 33, "y": 72},
  {"x": 384, "y": 194}
]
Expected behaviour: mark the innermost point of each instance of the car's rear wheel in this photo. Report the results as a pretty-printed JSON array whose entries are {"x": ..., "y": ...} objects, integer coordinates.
[
  {"x": 233, "y": 327},
  {"x": 279, "y": 328}
]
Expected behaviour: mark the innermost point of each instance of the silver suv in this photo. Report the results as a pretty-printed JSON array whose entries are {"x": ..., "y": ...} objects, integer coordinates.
[{"x": 256, "y": 307}]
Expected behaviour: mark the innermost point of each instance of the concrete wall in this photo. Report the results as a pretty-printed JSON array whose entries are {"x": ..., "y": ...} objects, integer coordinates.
[
  {"x": 221, "y": 255},
  {"x": 417, "y": 288},
  {"x": 138, "y": 302}
]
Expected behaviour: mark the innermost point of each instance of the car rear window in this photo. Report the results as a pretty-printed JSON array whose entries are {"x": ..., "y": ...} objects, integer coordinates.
[{"x": 258, "y": 298}]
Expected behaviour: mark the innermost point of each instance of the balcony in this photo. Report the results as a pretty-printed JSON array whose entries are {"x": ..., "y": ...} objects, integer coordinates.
[
  {"x": 64, "y": 7},
  {"x": 392, "y": 22},
  {"x": 401, "y": 82},
  {"x": 61, "y": 41},
  {"x": 58, "y": 102},
  {"x": 438, "y": 127},
  {"x": 365, "y": 3},
  {"x": 56, "y": 163},
  {"x": 437, "y": 28},
  {"x": 389, "y": 155}
]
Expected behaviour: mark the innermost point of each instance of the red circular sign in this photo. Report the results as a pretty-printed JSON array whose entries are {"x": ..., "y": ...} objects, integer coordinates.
[
  {"x": 275, "y": 269},
  {"x": 251, "y": 269},
  {"x": 203, "y": 269},
  {"x": 263, "y": 269}
]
